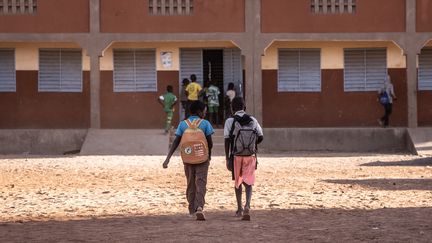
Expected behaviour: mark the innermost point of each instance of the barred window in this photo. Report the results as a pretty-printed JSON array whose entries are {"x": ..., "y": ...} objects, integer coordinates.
[
  {"x": 333, "y": 6},
  {"x": 171, "y": 7},
  {"x": 15, "y": 7}
]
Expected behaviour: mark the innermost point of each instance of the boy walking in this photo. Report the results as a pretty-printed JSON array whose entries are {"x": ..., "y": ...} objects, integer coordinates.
[
  {"x": 194, "y": 137},
  {"x": 168, "y": 101},
  {"x": 242, "y": 135}
]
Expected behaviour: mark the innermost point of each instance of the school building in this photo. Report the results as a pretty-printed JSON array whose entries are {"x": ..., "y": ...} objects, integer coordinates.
[{"x": 101, "y": 64}]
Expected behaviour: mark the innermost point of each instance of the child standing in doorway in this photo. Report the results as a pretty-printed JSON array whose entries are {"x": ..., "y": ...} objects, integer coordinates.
[
  {"x": 212, "y": 94},
  {"x": 168, "y": 101}
]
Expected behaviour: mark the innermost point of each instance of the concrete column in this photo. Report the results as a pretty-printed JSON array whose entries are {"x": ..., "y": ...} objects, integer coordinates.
[
  {"x": 250, "y": 48},
  {"x": 411, "y": 16},
  {"x": 249, "y": 74},
  {"x": 94, "y": 16},
  {"x": 411, "y": 58},
  {"x": 94, "y": 91}
]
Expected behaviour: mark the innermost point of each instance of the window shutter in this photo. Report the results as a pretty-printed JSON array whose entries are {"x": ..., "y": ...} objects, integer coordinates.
[
  {"x": 145, "y": 62},
  {"x": 49, "y": 70},
  {"x": 60, "y": 70},
  {"x": 365, "y": 69},
  {"x": 191, "y": 62},
  {"x": 135, "y": 70},
  {"x": 124, "y": 71},
  {"x": 7, "y": 70},
  {"x": 425, "y": 70},
  {"x": 376, "y": 68},
  {"x": 299, "y": 70},
  {"x": 233, "y": 69},
  {"x": 71, "y": 70}
]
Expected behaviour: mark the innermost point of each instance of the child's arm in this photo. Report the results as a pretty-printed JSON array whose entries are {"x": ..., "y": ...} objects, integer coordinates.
[
  {"x": 174, "y": 146},
  {"x": 210, "y": 145},
  {"x": 175, "y": 103},
  {"x": 160, "y": 101},
  {"x": 260, "y": 139},
  {"x": 227, "y": 149}
]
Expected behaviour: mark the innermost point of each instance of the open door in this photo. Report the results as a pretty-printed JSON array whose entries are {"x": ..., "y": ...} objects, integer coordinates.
[{"x": 233, "y": 70}]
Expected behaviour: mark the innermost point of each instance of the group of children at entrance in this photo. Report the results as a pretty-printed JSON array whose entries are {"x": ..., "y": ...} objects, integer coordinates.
[
  {"x": 192, "y": 91},
  {"x": 242, "y": 134}
]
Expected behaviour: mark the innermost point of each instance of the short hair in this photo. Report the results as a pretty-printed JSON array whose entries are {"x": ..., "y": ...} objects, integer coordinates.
[
  {"x": 238, "y": 104},
  {"x": 193, "y": 77},
  {"x": 185, "y": 81},
  {"x": 196, "y": 107},
  {"x": 231, "y": 86},
  {"x": 169, "y": 88}
]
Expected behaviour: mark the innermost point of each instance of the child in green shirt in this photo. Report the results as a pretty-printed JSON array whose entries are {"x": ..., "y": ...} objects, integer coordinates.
[{"x": 168, "y": 101}]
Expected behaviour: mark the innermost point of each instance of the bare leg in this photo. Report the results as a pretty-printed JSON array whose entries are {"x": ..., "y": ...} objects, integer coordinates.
[
  {"x": 248, "y": 195},
  {"x": 238, "y": 192}
]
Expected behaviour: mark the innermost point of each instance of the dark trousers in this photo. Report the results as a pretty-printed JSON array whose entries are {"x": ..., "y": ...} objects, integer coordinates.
[
  {"x": 388, "y": 108},
  {"x": 196, "y": 176}
]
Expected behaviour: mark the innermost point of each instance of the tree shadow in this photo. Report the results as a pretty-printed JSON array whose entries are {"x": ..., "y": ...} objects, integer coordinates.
[
  {"x": 389, "y": 184},
  {"x": 415, "y": 162},
  {"x": 282, "y": 225}
]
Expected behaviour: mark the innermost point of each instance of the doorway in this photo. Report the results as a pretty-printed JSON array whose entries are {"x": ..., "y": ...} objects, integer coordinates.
[
  {"x": 213, "y": 71},
  {"x": 222, "y": 65}
]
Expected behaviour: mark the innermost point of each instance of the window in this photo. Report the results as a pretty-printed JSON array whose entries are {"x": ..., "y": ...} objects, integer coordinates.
[
  {"x": 18, "y": 7},
  {"x": 333, "y": 6},
  {"x": 425, "y": 69},
  {"x": 299, "y": 70},
  {"x": 135, "y": 70},
  {"x": 60, "y": 70},
  {"x": 365, "y": 69},
  {"x": 171, "y": 7},
  {"x": 7, "y": 70}
]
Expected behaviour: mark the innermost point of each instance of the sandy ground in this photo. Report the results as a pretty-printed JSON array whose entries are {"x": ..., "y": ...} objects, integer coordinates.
[{"x": 297, "y": 197}]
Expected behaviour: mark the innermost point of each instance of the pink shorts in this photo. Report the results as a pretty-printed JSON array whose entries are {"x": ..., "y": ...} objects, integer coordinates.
[{"x": 244, "y": 170}]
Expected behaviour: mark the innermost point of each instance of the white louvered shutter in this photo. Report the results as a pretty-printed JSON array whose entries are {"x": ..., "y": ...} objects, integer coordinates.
[
  {"x": 135, "y": 70},
  {"x": 7, "y": 70},
  {"x": 60, "y": 70},
  {"x": 425, "y": 70},
  {"x": 191, "y": 62},
  {"x": 71, "y": 70},
  {"x": 145, "y": 69},
  {"x": 365, "y": 69},
  {"x": 299, "y": 70},
  {"x": 233, "y": 69}
]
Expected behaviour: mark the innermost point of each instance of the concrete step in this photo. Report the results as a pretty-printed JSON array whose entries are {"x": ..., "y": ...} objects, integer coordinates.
[
  {"x": 125, "y": 142},
  {"x": 421, "y": 139}
]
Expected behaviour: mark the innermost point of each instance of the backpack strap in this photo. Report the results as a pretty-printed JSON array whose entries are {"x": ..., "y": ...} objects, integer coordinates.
[
  {"x": 231, "y": 135},
  {"x": 193, "y": 124}
]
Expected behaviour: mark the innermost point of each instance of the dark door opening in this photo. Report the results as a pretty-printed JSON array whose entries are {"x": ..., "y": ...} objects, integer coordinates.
[{"x": 213, "y": 71}]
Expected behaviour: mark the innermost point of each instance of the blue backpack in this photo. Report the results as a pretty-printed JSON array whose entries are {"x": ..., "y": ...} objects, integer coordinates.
[{"x": 384, "y": 98}]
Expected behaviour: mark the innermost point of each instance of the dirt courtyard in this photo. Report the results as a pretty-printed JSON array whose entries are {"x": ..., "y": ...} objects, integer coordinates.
[{"x": 297, "y": 198}]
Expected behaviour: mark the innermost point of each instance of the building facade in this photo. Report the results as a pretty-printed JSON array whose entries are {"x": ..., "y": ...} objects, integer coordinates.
[{"x": 299, "y": 63}]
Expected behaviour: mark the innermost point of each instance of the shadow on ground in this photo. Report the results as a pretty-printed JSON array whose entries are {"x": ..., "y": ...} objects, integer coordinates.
[
  {"x": 297, "y": 225},
  {"x": 415, "y": 162},
  {"x": 389, "y": 184}
]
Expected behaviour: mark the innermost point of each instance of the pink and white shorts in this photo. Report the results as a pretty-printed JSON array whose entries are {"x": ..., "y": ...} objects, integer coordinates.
[{"x": 244, "y": 170}]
